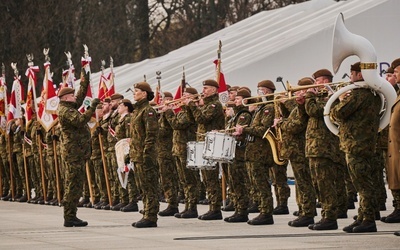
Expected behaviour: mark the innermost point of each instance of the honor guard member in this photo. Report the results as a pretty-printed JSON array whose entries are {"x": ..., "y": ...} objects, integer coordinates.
[
  {"x": 209, "y": 115},
  {"x": 39, "y": 192},
  {"x": 143, "y": 153},
  {"x": 30, "y": 162},
  {"x": 168, "y": 173},
  {"x": 358, "y": 117},
  {"x": 5, "y": 168},
  {"x": 393, "y": 174},
  {"x": 258, "y": 154},
  {"x": 18, "y": 130},
  {"x": 293, "y": 148},
  {"x": 184, "y": 130},
  {"x": 322, "y": 150},
  {"x": 75, "y": 142},
  {"x": 122, "y": 130},
  {"x": 237, "y": 176}
]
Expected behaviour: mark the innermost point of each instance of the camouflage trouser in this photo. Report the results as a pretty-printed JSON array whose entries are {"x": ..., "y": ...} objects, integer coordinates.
[
  {"x": 396, "y": 198},
  {"x": 148, "y": 182},
  {"x": 259, "y": 179},
  {"x": 189, "y": 180},
  {"x": 62, "y": 167},
  {"x": 30, "y": 164},
  {"x": 169, "y": 180},
  {"x": 324, "y": 173},
  {"x": 229, "y": 192},
  {"x": 363, "y": 173},
  {"x": 130, "y": 194},
  {"x": 350, "y": 189},
  {"x": 278, "y": 176},
  {"x": 38, "y": 173},
  {"x": 51, "y": 176},
  {"x": 5, "y": 173},
  {"x": 93, "y": 187},
  {"x": 341, "y": 189},
  {"x": 75, "y": 175},
  {"x": 380, "y": 188},
  {"x": 19, "y": 174},
  {"x": 112, "y": 174},
  {"x": 237, "y": 174},
  {"x": 100, "y": 178},
  {"x": 213, "y": 188},
  {"x": 305, "y": 193}
]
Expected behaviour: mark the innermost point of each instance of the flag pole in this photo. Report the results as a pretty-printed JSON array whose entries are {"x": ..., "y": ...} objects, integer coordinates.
[{"x": 56, "y": 166}]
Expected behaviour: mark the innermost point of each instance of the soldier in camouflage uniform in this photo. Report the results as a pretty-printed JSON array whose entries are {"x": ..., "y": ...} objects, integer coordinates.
[
  {"x": 30, "y": 163},
  {"x": 258, "y": 155},
  {"x": 237, "y": 172},
  {"x": 325, "y": 158},
  {"x": 358, "y": 118},
  {"x": 293, "y": 148},
  {"x": 5, "y": 168},
  {"x": 18, "y": 130},
  {"x": 168, "y": 172},
  {"x": 52, "y": 198},
  {"x": 184, "y": 130},
  {"x": 75, "y": 140},
  {"x": 39, "y": 199},
  {"x": 129, "y": 195},
  {"x": 143, "y": 153},
  {"x": 209, "y": 115}
]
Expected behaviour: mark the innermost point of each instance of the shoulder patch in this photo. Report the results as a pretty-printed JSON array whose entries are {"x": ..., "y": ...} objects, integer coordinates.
[
  {"x": 151, "y": 113},
  {"x": 266, "y": 112},
  {"x": 213, "y": 105},
  {"x": 241, "y": 117}
]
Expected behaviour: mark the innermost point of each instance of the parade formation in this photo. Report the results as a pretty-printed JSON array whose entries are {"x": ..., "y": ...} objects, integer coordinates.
[{"x": 73, "y": 148}]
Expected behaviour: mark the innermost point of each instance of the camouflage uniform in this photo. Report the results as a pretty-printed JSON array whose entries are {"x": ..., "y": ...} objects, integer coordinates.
[
  {"x": 324, "y": 156},
  {"x": 75, "y": 150},
  {"x": 143, "y": 153},
  {"x": 168, "y": 172},
  {"x": 293, "y": 148},
  {"x": 5, "y": 168},
  {"x": 30, "y": 163},
  {"x": 209, "y": 117},
  {"x": 358, "y": 116},
  {"x": 51, "y": 166},
  {"x": 122, "y": 131},
  {"x": 35, "y": 151},
  {"x": 259, "y": 157},
  {"x": 184, "y": 130},
  {"x": 18, "y": 160},
  {"x": 237, "y": 172}
]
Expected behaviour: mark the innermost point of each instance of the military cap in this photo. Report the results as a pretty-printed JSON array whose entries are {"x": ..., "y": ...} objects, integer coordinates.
[
  {"x": 127, "y": 103},
  {"x": 245, "y": 87},
  {"x": 322, "y": 72},
  {"x": 228, "y": 87},
  {"x": 144, "y": 86},
  {"x": 234, "y": 88},
  {"x": 395, "y": 63},
  {"x": 117, "y": 96},
  {"x": 266, "y": 84},
  {"x": 211, "y": 83},
  {"x": 305, "y": 81},
  {"x": 152, "y": 103},
  {"x": 168, "y": 94},
  {"x": 243, "y": 93},
  {"x": 107, "y": 99},
  {"x": 389, "y": 70},
  {"x": 355, "y": 67},
  {"x": 65, "y": 91},
  {"x": 99, "y": 106},
  {"x": 230, "y": 104},
  {"x": 192, "y": 91}
]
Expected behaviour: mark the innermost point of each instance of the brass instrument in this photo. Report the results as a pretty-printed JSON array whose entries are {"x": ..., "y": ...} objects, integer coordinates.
[
  {"x": 177, "y": 101},
  {"x": 275, "y": 143}
]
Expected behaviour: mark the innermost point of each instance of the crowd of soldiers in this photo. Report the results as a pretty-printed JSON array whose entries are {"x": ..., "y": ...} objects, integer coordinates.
[{"x": 329, "y": 170}]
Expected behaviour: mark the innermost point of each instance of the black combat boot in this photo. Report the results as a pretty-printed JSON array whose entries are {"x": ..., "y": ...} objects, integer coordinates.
[
  {"x": 281, "y": 209},
  {"x": 325, "y": 224},
  {"x": 301, "y": 221},
  {"x": 394, "y": 217},
  {"x": 349, "y": 228},
  {"x": 188, "y": 214},
  {"x": 118, "y": 206},
  {"x": 40, "y": 200},
  {"x": 100, "y": 204},
  {"x": 365, "y": 227},
  {"x": 75, "y": 223},
  {"x": 237, "y": 217},
  {"x": 253, "y": 208},
  {"x": 229, "y": 207},
  {"x": 262, "y": 219},
  {"x": 131, "y": 207},
  {"x": 143, "y": 223},
  {"x": 169, "y": 211},
  {"x": 211, "y": 215},
  {"x": 23, "y": 198},
  {"x": 83, "y": 202}
]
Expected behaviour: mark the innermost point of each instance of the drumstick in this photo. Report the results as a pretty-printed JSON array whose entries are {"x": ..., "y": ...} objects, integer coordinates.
[{"x": 229, "y": 129}]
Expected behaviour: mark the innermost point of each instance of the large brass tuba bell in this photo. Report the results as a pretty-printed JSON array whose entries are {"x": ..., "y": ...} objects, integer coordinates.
[{"x": 346, "y": 44}]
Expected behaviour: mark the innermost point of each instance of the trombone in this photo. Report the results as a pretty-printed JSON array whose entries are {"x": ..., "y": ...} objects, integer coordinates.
[
  {"x": 288, "y": 94},
  {"x": 177, "y": 101}
]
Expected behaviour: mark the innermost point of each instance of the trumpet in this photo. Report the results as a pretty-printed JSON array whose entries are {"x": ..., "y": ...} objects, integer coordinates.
[
  {"x": 178, "y": 101},
  {"x": 288, "y": 94}
]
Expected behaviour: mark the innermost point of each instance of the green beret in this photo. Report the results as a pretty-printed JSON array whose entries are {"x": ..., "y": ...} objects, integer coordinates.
[
  {"x": 127, "y": 103},
  {"x": 322, "y": 72},
  {"x": 66, "y": 90},
  {"x": 243, "y": 93},
  {"x": 144, "y": 86},
  {"x": 234, "y": 88},
  {"x": 192, "y": 91},
  {"x": 305, "y": 81},
  {"x": 211, "y": 83},
  {"x": 117, "y": 96},
  {"x": 355, "y": 67},
  {"x": 395, "y": 63},
  {"x": 107, "y": 99},
  {"x": 267, "y": 84}
]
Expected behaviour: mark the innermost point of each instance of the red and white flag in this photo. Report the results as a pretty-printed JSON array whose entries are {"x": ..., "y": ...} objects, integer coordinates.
[
  {"x": 3, "y": 103},
  {"x": 14, "y": 110},
  {"x": 220, "y": 78},
  {"x": 178, "y": 95},
  {"x": 49, "y": 101},
  {"x": 31, "y": 108}
]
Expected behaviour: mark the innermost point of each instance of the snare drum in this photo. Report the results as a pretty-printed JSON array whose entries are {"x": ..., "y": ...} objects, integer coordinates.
[
  {"x": 195, "y": 158},
  {"x": 219, "y": 147}
]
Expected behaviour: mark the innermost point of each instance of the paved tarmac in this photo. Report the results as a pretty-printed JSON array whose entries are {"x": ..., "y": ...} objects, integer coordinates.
[{"x": 29, "y": 226}]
